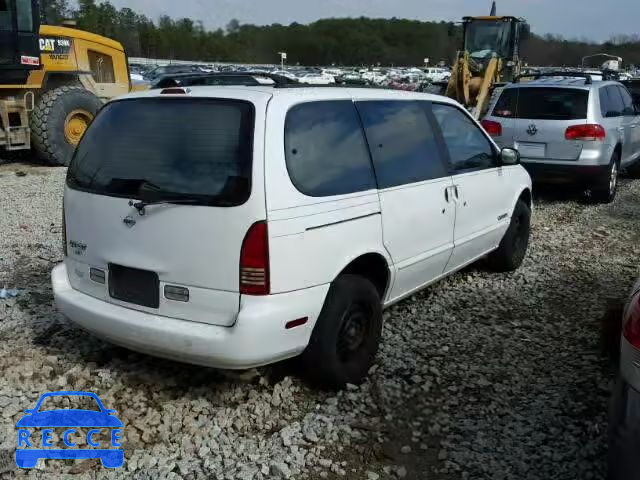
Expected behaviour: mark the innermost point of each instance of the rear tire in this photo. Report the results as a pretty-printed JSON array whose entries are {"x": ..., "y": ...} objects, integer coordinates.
[
  {"x": 347, "y": 334},
  {"x": 58, "y": 122},
  {"x": 513, "y": 247},
  {"x": 605, "y": 189}
]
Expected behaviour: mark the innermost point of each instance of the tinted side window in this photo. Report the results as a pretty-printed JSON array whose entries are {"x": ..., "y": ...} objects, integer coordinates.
[
  {"x": 469, "y": 148},
  {"x": 6, "y": 20},
  {"x": 25, "y": 15},
  {"x": 615, "y": 102},
  {"x": 627, "y": 101},
  {"x": 604, "y": 102},
  {"x": 402, "y": 142},
  {"x": 326, "y": 152}
]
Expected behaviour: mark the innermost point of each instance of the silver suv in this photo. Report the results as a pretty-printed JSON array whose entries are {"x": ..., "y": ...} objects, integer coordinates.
[{"x": 570, "y": 130}]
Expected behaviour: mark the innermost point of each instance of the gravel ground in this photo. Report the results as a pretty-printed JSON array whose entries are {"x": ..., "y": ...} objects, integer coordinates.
[{"x": 483, "y": 376}]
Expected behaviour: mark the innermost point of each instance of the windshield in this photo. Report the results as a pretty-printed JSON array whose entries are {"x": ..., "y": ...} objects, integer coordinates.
[
  {"x": 486, "y": 38},
  {"x": 168, "y": 148},
  {"x": 66, "y": 402}
]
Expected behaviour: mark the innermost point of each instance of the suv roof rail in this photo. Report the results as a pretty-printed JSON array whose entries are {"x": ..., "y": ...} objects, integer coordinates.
[{"x": 588, "y": 79}]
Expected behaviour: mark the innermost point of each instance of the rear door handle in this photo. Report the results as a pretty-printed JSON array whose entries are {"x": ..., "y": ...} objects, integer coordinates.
[{"x": 446, "y": 194}]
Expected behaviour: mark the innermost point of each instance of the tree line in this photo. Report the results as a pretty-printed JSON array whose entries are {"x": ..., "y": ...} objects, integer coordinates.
[{"x": 345, "y": 41}]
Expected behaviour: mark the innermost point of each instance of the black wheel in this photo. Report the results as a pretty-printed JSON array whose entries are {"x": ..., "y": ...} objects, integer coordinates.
[
  {"x": 513, "y": 247},
  {"x": 59, "y": 120},
  {"x": 347, "y": 334},
  {"x": 604, "y": 191}
]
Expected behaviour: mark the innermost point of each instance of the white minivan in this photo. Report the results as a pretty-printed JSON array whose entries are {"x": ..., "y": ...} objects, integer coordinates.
[{"x": 238, "y": 226}]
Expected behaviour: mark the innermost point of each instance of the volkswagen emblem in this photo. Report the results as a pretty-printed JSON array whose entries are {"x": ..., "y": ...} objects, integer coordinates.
[
  {"x": 532, "y": 130},
  {"x": 129, "y": 221}
]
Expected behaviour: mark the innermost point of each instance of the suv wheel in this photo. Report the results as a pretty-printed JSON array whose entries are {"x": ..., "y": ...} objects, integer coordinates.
[
  {"x": 606, "y": 188},
  {"x": 513, "y": 247},
  {"x": 347, "y": 334}
]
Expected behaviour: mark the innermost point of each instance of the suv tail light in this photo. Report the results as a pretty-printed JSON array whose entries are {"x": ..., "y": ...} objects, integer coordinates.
[
  {"x": 492, "y": 128},
  {"x": 631, "y": 322},
  {"x": 589, "y": 132},
  {"x": 254, "y": 261}
]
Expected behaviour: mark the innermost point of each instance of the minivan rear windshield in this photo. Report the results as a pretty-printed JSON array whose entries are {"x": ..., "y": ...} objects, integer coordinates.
[
  {"x": 535, "y": 103},
  {"x": 168, "y": 149}
]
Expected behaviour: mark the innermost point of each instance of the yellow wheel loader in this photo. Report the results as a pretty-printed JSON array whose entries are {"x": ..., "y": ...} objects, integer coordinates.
[
  {"x": 490, "y": 56},
  {"x": 53, "y": 81}
]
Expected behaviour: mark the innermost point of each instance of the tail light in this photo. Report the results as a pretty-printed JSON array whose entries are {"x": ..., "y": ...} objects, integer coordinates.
[
  {"x": 492, "y": 128},
  {"x": 588, "y": 132},
  {"x": 631, "y": 322},
  {"x": 254, "y": 261}
]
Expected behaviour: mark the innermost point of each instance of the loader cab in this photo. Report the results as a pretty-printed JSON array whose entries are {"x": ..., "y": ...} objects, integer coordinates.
[
  {"x": 499, "y": 37},
  {"x": 19, "y": 48}
]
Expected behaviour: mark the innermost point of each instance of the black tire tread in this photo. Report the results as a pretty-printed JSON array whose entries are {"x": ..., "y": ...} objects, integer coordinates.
[
  {"x": 505, "y": 259},
  {"x": 39, "y": 123},
  {"x": 600, "y": 191},
  {"x": 318, "y": 362}
]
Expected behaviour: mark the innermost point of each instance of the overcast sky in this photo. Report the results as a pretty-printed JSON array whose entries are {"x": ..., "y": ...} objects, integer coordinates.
[{"x": 593, "y": 19}]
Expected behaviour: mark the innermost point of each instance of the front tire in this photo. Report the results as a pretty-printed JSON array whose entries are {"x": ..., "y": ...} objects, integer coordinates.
[
  {"x": 513, "y": 247},
  {"x": 347, "y": 334},
  {"x": 59, "y": 120}
]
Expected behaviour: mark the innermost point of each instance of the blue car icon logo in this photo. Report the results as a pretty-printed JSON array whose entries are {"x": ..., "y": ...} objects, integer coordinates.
[{"x": 72, "y": 426}]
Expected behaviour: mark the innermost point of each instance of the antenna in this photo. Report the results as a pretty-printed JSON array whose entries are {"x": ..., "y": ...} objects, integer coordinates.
[{"x": 493, "y": 10}]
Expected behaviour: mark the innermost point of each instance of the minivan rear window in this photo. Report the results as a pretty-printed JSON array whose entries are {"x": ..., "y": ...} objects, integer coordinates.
[
  {"x": 535, "y": 103},
  {"x": 197, "y": 150}
]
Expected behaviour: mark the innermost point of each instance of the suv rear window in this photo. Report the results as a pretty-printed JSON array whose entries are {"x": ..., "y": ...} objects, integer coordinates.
[
  {"x": 190, "y": 149},
  {"x": 535, "y": 103}
]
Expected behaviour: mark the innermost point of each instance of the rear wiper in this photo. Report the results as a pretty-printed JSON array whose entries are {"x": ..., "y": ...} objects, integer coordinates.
[{"x": 141, "y": 205}]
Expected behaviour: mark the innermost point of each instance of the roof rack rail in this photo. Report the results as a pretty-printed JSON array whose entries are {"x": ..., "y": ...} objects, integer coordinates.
[
  {"x": 329, "y": 85},
  {"x": 588, "y": 79}
]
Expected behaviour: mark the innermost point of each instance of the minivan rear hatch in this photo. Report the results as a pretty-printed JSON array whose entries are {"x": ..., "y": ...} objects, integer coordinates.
[
  {"x": 534, "y": 120},
  {"x": 159, "y": 198}
]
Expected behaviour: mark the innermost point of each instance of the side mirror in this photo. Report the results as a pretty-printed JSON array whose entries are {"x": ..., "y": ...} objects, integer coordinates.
[{"x": 509, "y": 156}]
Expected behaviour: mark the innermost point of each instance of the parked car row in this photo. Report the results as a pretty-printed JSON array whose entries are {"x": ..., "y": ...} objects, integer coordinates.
[{"x": 313, "y": 76}]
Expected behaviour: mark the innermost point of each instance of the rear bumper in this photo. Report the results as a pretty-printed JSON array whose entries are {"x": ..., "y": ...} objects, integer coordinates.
[
  {"x": 258, "y": 337},
  {"x": 624, "y": 433},
  {"x": 548, "y": 173}
]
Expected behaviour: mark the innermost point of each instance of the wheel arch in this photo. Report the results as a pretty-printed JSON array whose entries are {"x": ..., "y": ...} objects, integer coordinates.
[
  {"x": 618, "y": 149},
  {"x": 373, "y": 266},
  {"x": 53, "y": 80},
  {"x": 526, "y": 196}
]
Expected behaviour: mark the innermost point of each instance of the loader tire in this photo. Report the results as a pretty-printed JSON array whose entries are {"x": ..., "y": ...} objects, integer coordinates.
[{"x": 59, "y": 121}]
